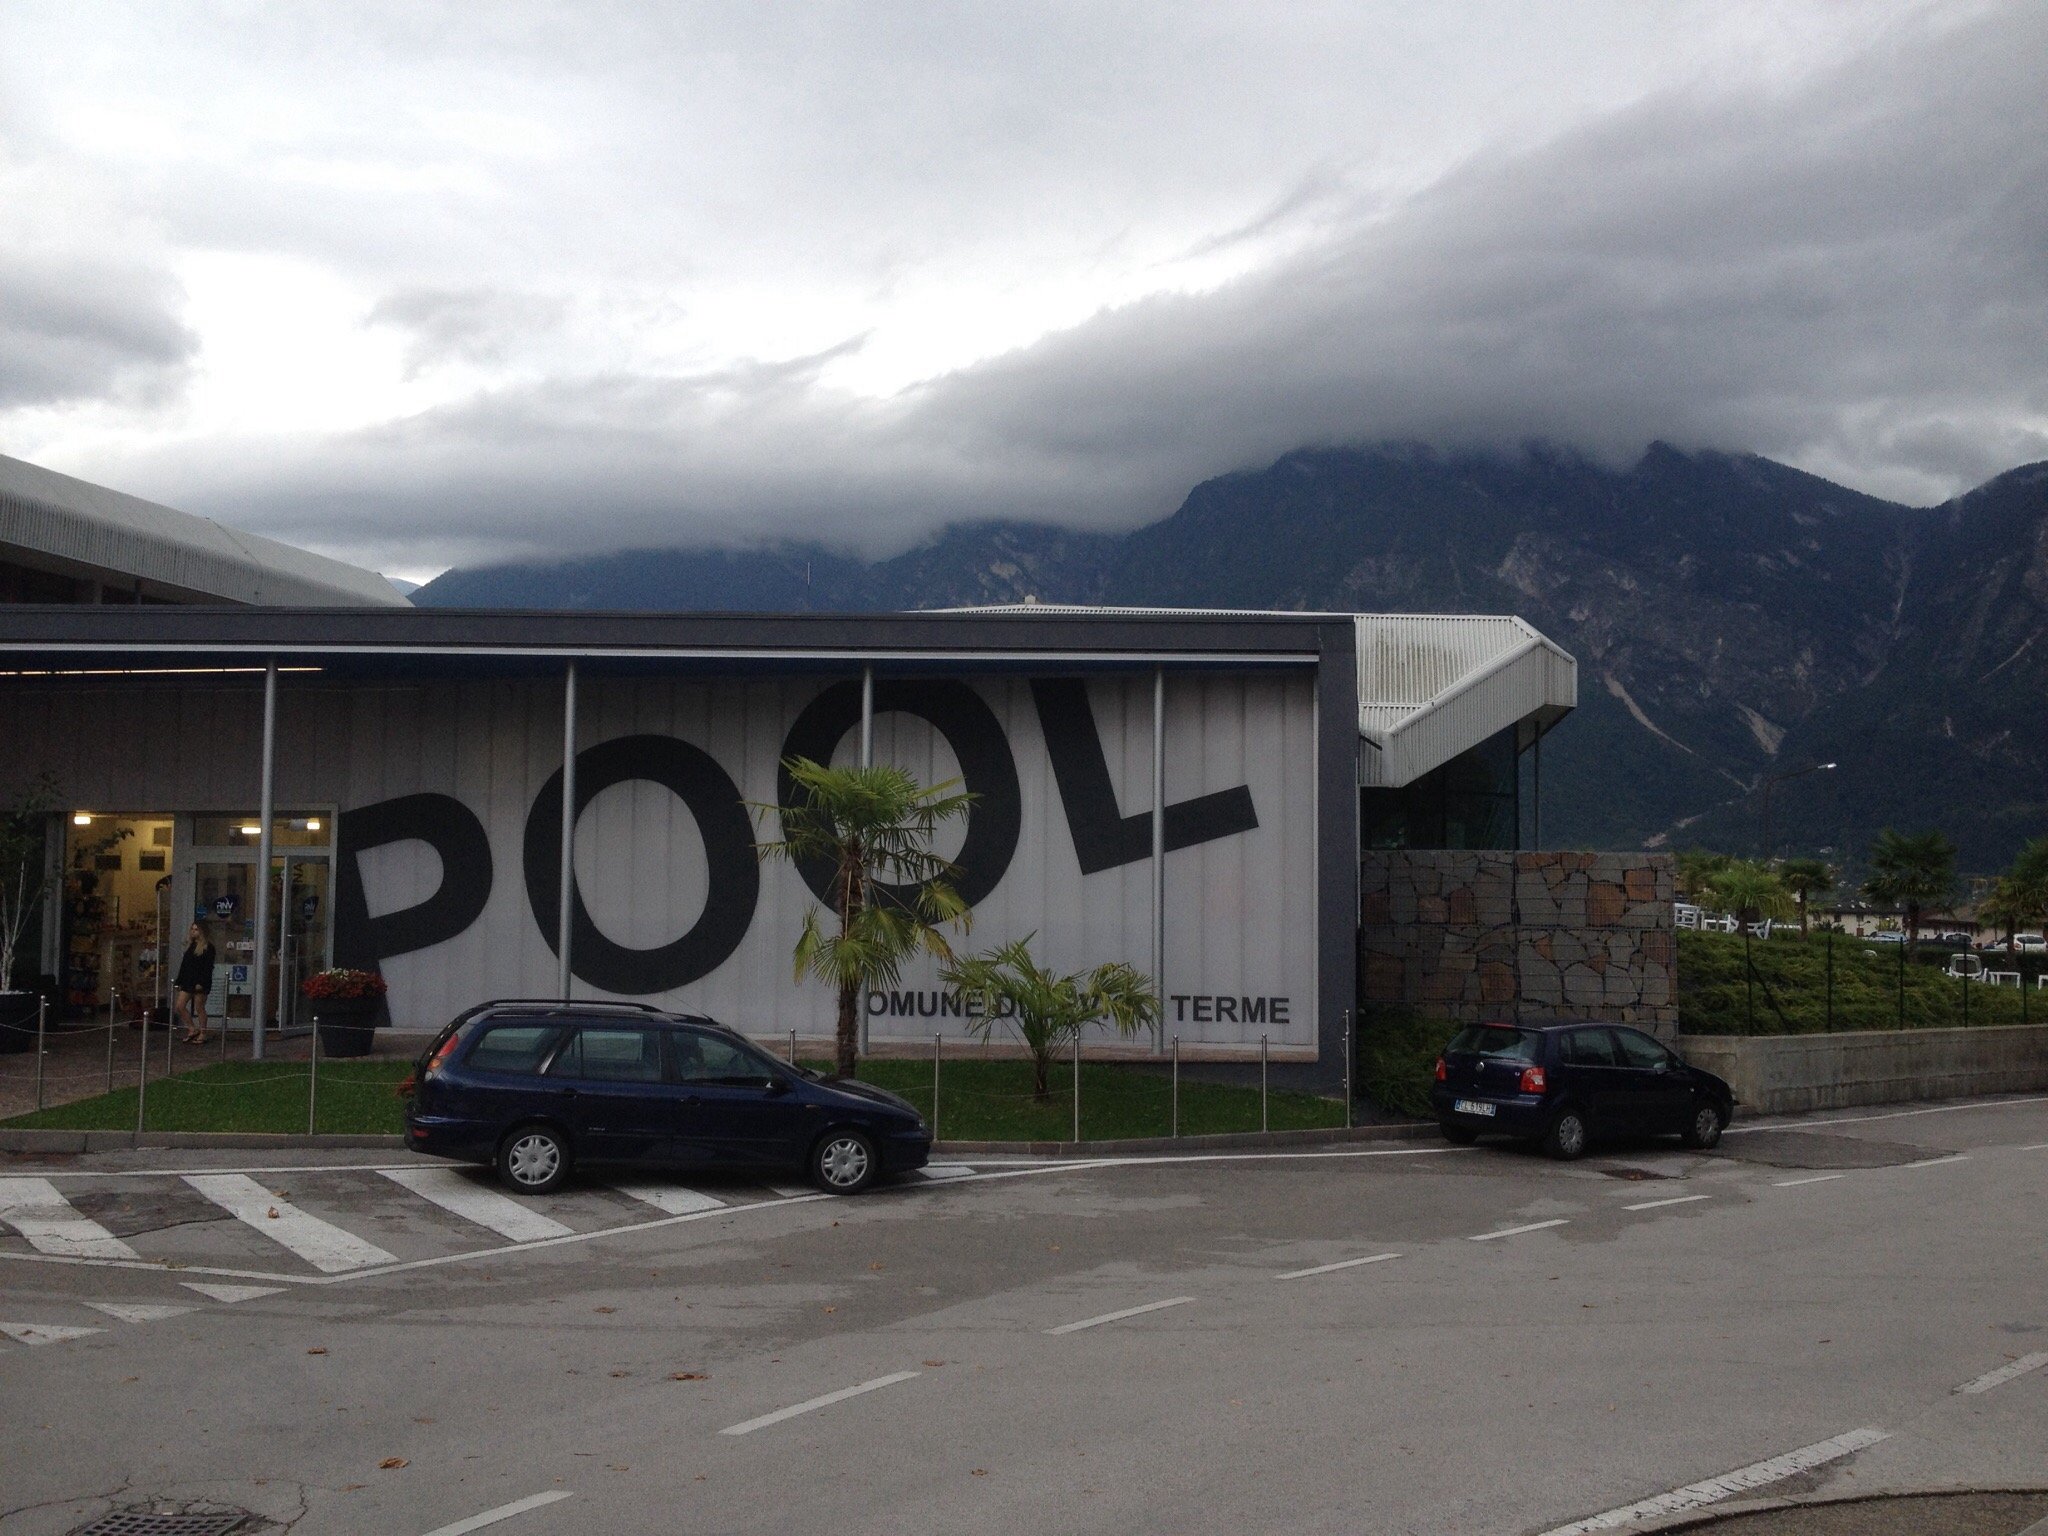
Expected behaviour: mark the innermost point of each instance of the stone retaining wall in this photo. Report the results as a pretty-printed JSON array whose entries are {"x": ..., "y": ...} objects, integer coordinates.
[
  {"x": 1792, "y": 1074},
  {"x": 1471, "y": 935}
]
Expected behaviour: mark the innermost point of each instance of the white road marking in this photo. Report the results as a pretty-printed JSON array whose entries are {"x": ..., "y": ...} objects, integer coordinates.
[
  {"x": 1534, "y": 1226},
  {"x": 232, "y": 1293},
  {"x": 1117, "y": 1317},
  {"x": 502, "y": 1512},
  {"x": 2039, "y": 1146},
  {"x": 814, "y": 1404},
  {"x": 179, "y": 1173},
  {"x": 945, "y": 1171},
  {"x": 1652, "y": 1205},
  {"x": 1714, "y": 1489},
  {"x": 790, "y": 1191},
  {"x": 461, "y": 1195},
  {"x": 672, "y": 1198},
  {"x": 1818, "y": 1178},
  {"x": 1897, "y": 1114},
  {"x": 2005, "y": 1373},
  {"x": 34, "y": 1209},
  {"x": 1324, "y": 1269},
  {"x": 1936, "y": 1162},
  {"x": 33, "y": 1334},
  {"x": 138, "y": 1311},
  {"x": 321, "y": 1244}
]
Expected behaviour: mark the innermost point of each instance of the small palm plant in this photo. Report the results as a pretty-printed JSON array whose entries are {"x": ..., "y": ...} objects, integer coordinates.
[
  {"x": 890, "y": 895},
  {"x": 1049, "y": 1010}
]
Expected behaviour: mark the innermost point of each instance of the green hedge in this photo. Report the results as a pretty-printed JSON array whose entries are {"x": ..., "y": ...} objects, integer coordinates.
[{"x": 1397, "y": 1052}]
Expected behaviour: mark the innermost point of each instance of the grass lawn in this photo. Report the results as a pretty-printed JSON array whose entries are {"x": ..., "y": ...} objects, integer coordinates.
[
  {"x": 1791, "y": 995},
  {"x": 983, "y": 1101}
]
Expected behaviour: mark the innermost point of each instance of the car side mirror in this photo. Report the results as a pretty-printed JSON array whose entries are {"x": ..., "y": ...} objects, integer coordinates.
[{"x": 776, "y": 1087}]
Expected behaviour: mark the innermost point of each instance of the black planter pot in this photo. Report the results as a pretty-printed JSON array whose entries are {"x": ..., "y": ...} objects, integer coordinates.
[
  {"x": 347, "y": 1025},
  {"x": 17, "y": 1022}
]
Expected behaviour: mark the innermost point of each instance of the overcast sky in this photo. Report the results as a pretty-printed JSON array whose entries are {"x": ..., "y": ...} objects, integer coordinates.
[{"x": 422, "y": 285}]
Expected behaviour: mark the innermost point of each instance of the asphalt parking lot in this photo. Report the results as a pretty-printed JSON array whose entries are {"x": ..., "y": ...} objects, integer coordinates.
[{"x": 1407, "y": 1338}]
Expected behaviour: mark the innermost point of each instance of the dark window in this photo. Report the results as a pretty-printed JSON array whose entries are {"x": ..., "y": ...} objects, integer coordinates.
[
  {"x": 1496, "y": 1040},
  {"x": 702, "y": 1058},
  {"x": 606, "y": 1055},
  {"x": 513, "y": 1048},
  {"x": 1588, "y": 1048},
  {"x": 1472, "y": 801},
  {"x": 1640, "y": 1050}
]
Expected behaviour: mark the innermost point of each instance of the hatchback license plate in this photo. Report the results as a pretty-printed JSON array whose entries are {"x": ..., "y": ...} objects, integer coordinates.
[{"x": 1472, "y": 1107}]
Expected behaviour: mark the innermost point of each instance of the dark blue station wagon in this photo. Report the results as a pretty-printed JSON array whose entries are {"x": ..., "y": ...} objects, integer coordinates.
[
  {"x": 1560, "y": 1084},
  {"x": 537, "y": 1088}
]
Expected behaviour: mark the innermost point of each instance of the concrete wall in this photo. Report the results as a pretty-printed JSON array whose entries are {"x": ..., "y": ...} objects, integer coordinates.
[
  {"x": 1471, "y": 935},
  {"x": 1790, "y": 1074}
]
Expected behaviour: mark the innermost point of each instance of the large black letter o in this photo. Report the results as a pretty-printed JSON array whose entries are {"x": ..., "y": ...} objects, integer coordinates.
[{"x": 734, "y": 868}]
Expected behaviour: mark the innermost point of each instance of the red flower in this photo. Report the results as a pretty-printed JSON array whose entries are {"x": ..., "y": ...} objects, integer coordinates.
[{"x": 343, "y": 983}]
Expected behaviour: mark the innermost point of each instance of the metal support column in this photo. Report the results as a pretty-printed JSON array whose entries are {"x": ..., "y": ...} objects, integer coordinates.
[
  {"x": 1159, "y": 851},
  {"x": 867, "y": 760},
  {"x": 1536, "y": 793},
  {"x": 565, "y": 896},
  {"x": 259, "y": 998}
]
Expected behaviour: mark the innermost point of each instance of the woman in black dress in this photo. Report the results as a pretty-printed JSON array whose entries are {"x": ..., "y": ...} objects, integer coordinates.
[{"x": 193, "y": 981}]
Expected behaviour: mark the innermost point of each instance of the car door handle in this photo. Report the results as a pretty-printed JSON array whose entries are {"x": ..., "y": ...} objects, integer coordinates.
[{"x": 568, "y": 1093}]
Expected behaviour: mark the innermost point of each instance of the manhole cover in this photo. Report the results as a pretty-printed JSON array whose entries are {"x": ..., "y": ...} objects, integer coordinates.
[{"x": 132, "y": 1522}]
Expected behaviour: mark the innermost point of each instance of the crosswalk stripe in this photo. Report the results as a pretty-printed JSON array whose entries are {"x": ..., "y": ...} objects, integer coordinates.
[
  {"x": 33, "y": 1334},
  {"x": 321, "y": 1244},
  {"x": 791, "y": 1191},
  {"x": 946, "y": 1171},
  {"x": 231, "y": 1293},
  {"x": 35, "y": 1209},
  {"x": 138, "y": 1311},
  {"x": 670, "y": 1198},
  {"x": 462, "y": 1196}
]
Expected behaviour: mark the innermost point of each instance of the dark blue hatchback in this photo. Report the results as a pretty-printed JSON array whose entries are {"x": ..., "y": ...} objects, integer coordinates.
[
  {"x": 536, "y": 1088},
  {"x": 1560, "y": 1084}
]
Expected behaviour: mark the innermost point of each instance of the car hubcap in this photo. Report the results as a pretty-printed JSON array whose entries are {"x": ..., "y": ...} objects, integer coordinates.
[
  {"x": 534, "y": 1159},
  {"x": 845, "y": 1162},
  {"x": 1571, "y": 1133},
  {"x": 1707, "y": 1127}
]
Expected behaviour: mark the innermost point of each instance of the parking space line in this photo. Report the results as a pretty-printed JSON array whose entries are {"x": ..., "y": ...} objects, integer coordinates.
[
  {"x": 1936, "y": 1162},
  {"x": 502, "y": 1512},
  {"x": 2005, "y": 1373},
  {"x": 673, "y": 1198},
  {"x": 812, "y": 1405},
  {"x": 460, "y": 1195},
  {"x": 1324, "y": 1269},
  {"x": 35, "y": 1209},
  {"x": 1896, "y": 1114},
  {"x": 230, "y": 1294},
  {"x": 321, "y": 1244},
  {"x": 1534, "y": 1226},
  {"x": 1741, "y": 1480},
  {"x": 2039, "y": 1146},
  {"x": 138, "y": 1311},
  {"x": 1652, "y": 1205},
  {"x": 1117, "y": 1317},
  {"x": 1818, "y": 1178},
  {"x": 35, "y": 1334}
]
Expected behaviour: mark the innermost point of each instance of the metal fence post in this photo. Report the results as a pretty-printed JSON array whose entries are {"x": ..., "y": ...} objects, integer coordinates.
[
  {"x": 1902, "y": 983},
  {"x": 792, "y": 1047},
  {"x": 1350, "y": 1057},
  {"x": 142, "y": 1074},
  {"x": 1176, "y": 1085},
  {"x": 1831, "y": 980},
  {"x": 43, "y": 1009},
  {"x": 170, "y": 1034},
  {"x": 1077, "y": 1085},
  {"x": 313, "y": 1079},
  {"x": 1964, "y": 983},
  {"x": 110, "y": 1048},
  {"x": 1263, "y": 1125},
  {"x": 937, "y": 1042}
]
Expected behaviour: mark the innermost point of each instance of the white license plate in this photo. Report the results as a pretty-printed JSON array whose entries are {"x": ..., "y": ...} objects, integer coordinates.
[{"x": 1472, "y": 1107}]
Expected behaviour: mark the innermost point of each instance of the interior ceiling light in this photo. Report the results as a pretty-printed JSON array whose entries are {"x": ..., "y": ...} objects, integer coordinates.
[
  {"x": 312, "y": 823},
  {"x": 252, "y": 831},
  {"x": 81, "y": 818}
]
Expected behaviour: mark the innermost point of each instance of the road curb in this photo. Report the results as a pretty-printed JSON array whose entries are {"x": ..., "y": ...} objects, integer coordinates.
[
  {"x": 227, "y": 1141},
  {"x": 1706, "y": 1516},
  {"x": 1236, "y": 1141}
]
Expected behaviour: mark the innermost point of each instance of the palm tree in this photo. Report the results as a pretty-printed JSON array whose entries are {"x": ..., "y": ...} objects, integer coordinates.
[
  {"x": 2020, "y": 895},
  {"x": 889, "y": 893},
  {"x": 1912, "y": 871},
  {"x": 1697, "y": 868},
  {"x": 1047, "y": 1010},
  {"x": 1750, "y": 891},
  {"x": 1806, "y": 879}
]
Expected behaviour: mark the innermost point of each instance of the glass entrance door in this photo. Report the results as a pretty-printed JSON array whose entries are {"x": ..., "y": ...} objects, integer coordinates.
[
  {"x": 224, "y": 903},
  {"x": 301, "y": 882}
]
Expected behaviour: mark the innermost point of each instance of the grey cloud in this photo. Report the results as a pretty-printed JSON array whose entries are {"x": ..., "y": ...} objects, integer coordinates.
[
  {"x": 85, "y": 329},
  {"x": 469, "y": 325},
  {"x": 1846, "y": 272}
]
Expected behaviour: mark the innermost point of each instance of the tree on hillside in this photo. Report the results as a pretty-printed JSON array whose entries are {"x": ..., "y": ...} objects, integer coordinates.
[
  {"x": 1914, "y": 872},
  {"x": 889, "y": 894},
  {"x": 1806, "y": 879},
  {"x": 2019, "y": 897},
  {"x": 1049, "y": 1010}
]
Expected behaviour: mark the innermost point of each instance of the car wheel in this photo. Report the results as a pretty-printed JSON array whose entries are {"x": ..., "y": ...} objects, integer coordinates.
[
  {"x": 1566, "y": 1138},
  {"x": 843, "y": 1163},
  {"x": 533, "y": 1160},
  {"x": 1704, "y": 1129},
  {"x": 1458, "y": 1135}
]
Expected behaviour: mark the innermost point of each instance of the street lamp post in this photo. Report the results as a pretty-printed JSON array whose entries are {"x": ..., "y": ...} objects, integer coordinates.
[{"x": 1777, "y": 779}]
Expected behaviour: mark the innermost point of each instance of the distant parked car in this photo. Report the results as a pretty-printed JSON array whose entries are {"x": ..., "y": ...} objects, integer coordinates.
[
  {"x": 537, "y": 1088},
  {"x": 1560, "y": 1084},
  {"x": 1952, "y": 940},
  {"x": 2030, "y": 943},
  {"x": 1887, "y": 936}
]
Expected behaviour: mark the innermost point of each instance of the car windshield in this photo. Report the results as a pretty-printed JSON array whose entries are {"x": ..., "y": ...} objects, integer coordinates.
[{"x": 1496, "y": 1040}]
